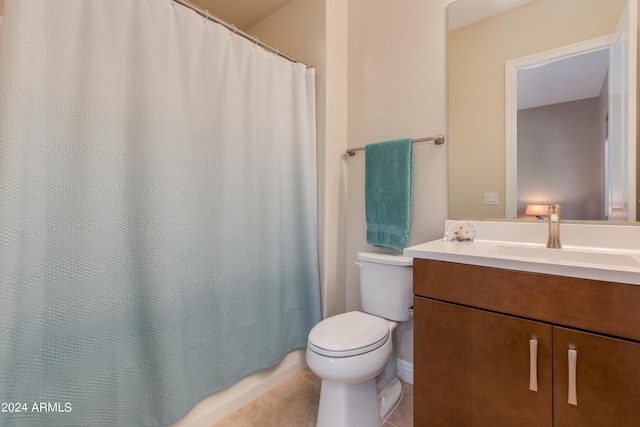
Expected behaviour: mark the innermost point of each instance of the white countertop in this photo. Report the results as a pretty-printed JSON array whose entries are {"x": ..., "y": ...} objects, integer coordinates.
[{"x": 494, "y": 241}]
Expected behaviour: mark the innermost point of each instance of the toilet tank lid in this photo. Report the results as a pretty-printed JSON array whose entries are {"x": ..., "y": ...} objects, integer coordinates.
[{"x": 385, "y": 259}]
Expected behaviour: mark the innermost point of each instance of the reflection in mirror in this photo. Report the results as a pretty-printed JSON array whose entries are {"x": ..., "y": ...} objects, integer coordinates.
[
  {"x": 478, "y": 128},
  {"x": 560, "y": 138}
]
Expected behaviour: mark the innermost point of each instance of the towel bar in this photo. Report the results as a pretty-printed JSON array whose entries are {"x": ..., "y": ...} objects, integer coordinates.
[{"x": 438, "y": 139}]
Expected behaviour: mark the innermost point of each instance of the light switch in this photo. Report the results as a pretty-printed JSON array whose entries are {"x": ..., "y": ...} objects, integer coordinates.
[{"x": 490, "y": 198}]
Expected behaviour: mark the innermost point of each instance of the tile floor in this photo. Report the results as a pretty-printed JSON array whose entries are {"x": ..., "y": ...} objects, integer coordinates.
[{"x": 294, "y": 403}]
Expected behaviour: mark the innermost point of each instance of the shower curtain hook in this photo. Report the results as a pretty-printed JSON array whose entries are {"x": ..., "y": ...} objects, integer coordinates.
[
  {"x": 234, "y": 28},
  {"x": 257, "y": 40},
  {"x": 276, "y": 52},
  {"x": 206, "y": 17}
]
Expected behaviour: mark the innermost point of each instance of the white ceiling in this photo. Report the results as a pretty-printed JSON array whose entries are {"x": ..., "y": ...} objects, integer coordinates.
[
  {"x": 244, "y": 14},
  {"x": 571, "y": 79}
]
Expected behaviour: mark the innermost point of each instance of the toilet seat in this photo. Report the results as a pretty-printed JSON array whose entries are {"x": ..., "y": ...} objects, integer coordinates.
[{"x": 348, "y": 334}]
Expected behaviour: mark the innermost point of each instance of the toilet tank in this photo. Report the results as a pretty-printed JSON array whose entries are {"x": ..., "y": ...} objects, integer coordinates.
[{"x": 386, "y": 285}]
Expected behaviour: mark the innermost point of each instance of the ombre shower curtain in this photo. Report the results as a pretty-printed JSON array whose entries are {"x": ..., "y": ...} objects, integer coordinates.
[{"x": 157, "y": 211}]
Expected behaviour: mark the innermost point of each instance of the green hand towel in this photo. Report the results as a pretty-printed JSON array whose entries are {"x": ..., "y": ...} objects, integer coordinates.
[{"x": 387, "y": 187}]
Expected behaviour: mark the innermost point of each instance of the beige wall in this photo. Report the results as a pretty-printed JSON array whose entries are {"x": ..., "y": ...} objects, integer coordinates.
[
  {"x": 397, "y": 88},
  {"x": 477, "y": 56}
]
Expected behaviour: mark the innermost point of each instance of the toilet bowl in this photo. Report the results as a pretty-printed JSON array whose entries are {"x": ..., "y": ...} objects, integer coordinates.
[
  {"x": 349, "y": 395},
  {"x": 353, "y": 352}
]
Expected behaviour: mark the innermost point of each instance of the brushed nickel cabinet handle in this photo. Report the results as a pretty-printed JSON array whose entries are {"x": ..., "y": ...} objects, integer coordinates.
[
  {"x": 533, "y": 364},
  {"x": 573, "y": 362}
]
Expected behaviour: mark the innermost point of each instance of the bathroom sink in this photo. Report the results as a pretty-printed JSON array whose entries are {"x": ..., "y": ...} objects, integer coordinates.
[
  {"x": 562, "y": 255},
  {"x": 609, "y": 253}
]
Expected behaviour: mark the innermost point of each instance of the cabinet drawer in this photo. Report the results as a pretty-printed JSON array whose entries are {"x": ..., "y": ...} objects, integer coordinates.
[{"x": 605, "y": 307}]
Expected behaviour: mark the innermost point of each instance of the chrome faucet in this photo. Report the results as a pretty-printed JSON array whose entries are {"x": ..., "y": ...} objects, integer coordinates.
[{"x": 554, "y": 227}]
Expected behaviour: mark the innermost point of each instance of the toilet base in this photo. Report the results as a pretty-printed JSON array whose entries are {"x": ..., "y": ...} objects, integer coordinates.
[
  {"x": 389, "y": 399},
  {"x": 357, "y": 405}
]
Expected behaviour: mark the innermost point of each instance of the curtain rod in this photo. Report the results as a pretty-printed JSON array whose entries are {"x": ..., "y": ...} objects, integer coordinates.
[
  {"x": 438, "y": 139},
  {"x": 206, "y": 14}
]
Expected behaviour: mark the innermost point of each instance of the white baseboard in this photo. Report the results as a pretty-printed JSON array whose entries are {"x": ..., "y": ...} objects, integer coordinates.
[{"x": 405, "y": 371}]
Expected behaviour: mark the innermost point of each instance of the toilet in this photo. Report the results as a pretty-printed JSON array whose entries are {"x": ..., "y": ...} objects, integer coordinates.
[{"x": 353, "y": 352}]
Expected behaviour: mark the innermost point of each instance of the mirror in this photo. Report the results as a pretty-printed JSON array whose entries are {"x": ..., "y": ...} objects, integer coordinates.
[{"x": 481, "y": 41}]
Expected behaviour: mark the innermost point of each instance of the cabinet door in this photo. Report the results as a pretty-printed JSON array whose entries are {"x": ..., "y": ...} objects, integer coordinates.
[
  {"x": 472, "y": 368},
  {"x": 607, "y": 380}
]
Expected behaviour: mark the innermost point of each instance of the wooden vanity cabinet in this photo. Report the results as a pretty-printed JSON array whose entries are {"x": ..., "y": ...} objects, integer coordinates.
[{"x": 473, "y": 328}]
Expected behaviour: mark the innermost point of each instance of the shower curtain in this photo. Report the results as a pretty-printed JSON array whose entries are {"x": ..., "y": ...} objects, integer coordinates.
[{"x": 157, "y": 211}]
